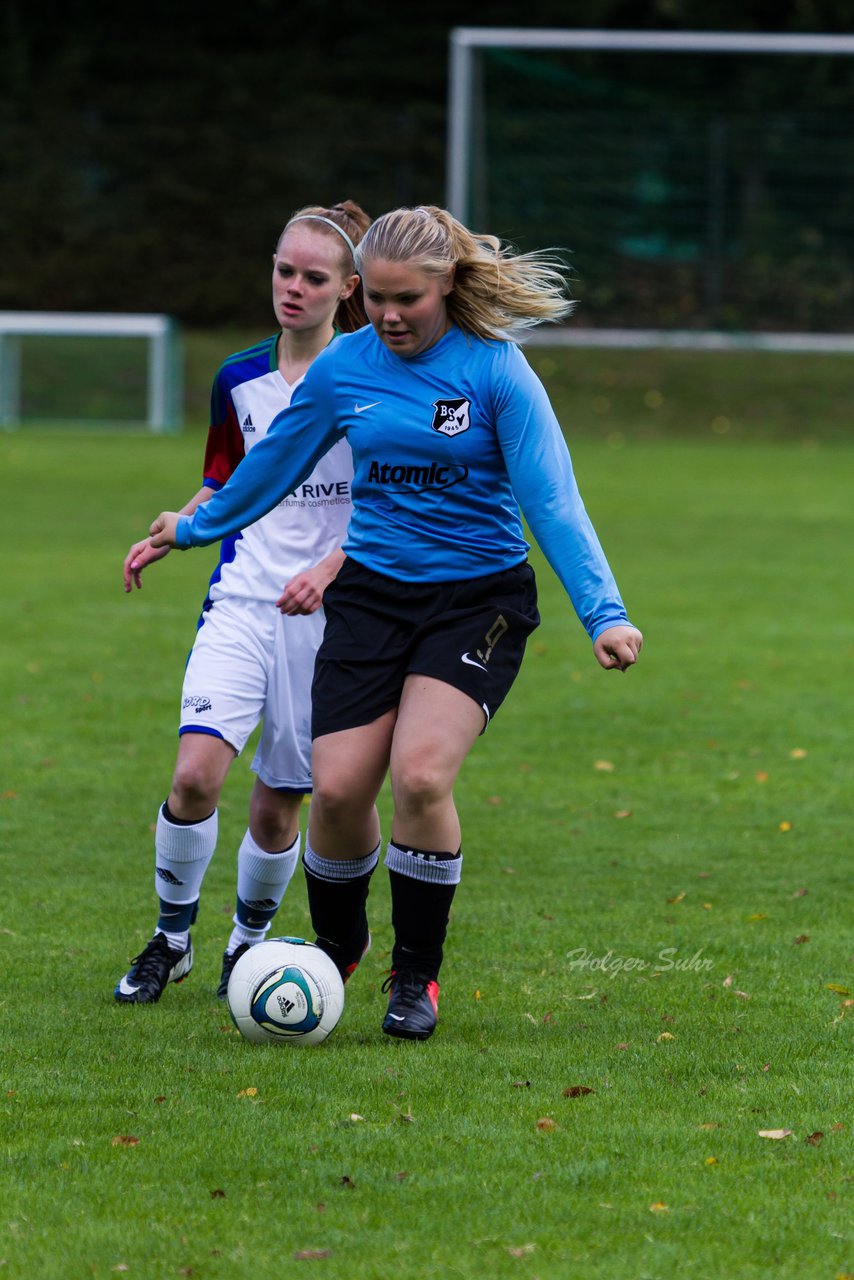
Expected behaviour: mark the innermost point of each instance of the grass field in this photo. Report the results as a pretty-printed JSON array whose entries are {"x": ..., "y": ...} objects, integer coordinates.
[{"x": 651, "y": 960}]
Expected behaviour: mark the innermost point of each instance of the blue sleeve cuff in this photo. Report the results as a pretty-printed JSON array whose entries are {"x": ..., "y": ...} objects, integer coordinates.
[{"x": 183, "y": 540}]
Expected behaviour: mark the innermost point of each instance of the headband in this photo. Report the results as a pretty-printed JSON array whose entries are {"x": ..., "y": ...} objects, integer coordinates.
[{"x": 318, "y": 217}]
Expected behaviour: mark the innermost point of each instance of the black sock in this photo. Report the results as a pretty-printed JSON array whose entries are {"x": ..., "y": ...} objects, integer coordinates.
[
  {"x": 420, "y": 907},
  {"x": 338, "y": 909}
]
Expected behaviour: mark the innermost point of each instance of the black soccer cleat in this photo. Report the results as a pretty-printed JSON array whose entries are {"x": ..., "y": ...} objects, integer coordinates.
[
  {"x": 412, "y": 1006},
  {"x": 152, "y": 970},
  {"x": 229, "y": 960}
]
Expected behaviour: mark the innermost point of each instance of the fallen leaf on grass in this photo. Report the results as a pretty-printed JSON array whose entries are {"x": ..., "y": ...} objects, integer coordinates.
[
  {"x": 354, "y": 1117},
  {"x": 520, "y": 1250},
  {"x": 678, "y": 897},
  {"x": 401, "y": 1176},
  {"x": 248, "y": 1093},
  {"x": 347, "y": 1181},
  {"x": 784, "y": 826},
  {"x": 548, "y": 1017},
  {"x": 801, "y": 939},
  {"x": 727, "y": 982},
  {"x": 577, "y": 1091},
  {"x": 604, "y": 766},
  {"x": 521, "y": 1084},
  {"x": 218, "y": 1194},
  {"x": 664, "y": 1037},
  {"x": 774, "y": 1133},
  {"x": 125, "y": 1140},
  {"x": 835, "y": 987},
  {"x": 814, "y": 1139},
  {"x": 623, "y": 813},
  {"x": 311, "y": 1255},
  {"x": 710, "y": 1160},
  {"x": 757, "y": 915},
  {"x": 546, "y": 1124},
  {"x": 711, "y": 1124},
  {"x": 797, "y": 753},
  {"x": 800, "y": 893},
  {"x": 658, "y": 1207}
]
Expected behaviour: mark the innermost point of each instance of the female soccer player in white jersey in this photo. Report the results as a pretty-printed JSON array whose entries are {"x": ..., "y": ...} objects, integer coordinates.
[
  {"x": 262, "y": 621},
  {"x": 451, "y": 433}
]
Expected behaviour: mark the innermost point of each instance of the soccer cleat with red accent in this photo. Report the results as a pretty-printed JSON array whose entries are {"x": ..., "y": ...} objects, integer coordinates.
[{"x": 413, "y": 1005}]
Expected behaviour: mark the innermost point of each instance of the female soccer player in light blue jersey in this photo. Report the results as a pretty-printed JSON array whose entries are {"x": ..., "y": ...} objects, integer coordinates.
[
  {"x": 262, "y": 621},
  {"x": 452, "y": 433}
]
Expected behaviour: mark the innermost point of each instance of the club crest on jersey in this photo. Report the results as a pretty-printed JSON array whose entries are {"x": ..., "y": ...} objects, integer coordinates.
[{"x": 451, "y": 416}]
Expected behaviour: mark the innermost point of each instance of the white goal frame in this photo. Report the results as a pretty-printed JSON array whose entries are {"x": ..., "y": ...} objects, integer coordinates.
[
  {"x": 163, "y": 394},
  {"x": 465, "y": 42}
]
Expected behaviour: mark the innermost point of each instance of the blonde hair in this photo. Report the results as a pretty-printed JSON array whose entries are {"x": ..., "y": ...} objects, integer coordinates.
[
  {"x": 351, "y": 219},
  {"x": 497, "y": 292}
]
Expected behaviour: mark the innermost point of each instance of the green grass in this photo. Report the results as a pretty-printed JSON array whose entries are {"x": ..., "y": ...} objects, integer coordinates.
[{"x": 687, "y": 824}]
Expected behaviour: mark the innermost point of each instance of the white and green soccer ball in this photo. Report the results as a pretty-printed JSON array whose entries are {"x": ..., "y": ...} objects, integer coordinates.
[{"x": 285, "y": 991}]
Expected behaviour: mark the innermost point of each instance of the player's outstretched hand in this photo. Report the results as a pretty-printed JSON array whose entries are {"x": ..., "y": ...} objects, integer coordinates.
[
  {"x": 140, "y": 555},
  {"x": 163, "y": 529},
  {"x": 617, "y": 648}
]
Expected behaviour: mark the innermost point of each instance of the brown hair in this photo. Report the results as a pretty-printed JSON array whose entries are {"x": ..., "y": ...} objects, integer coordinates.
[
  {"x": 497, "y": 292},
  {"x": 353, "y": 220}
]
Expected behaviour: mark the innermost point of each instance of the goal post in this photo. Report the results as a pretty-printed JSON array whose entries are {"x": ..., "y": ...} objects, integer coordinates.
[
  {"x": 701, "y": 181},
  {"x": 160, "y": 394}
]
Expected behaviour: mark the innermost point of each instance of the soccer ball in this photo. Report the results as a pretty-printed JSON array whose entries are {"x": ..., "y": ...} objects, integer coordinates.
[{"x": 285, "y": 991}]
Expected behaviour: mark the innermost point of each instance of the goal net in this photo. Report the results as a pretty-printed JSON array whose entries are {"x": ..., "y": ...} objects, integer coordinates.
[
  {"x": 99, "y": 371},
  {"x": 698, "y": 181}
]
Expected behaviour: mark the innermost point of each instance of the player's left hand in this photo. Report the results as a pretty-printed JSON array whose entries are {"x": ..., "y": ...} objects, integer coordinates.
[
  {"x": 617, "y": 648},
  {"x": 304, "y": 593},
  {"x": 163, "y": 529}
]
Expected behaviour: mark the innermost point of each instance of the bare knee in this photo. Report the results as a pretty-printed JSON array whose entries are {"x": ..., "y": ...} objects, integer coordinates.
[
  {"x": 418, "y": 785},
  {"x": 200, "y": 770},
  {"x": 335, "y": 801},
  {"x": 273, "y": 818}
]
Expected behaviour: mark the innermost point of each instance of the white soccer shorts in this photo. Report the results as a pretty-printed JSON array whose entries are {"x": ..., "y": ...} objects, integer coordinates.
[{"x": 249, "y": 662}]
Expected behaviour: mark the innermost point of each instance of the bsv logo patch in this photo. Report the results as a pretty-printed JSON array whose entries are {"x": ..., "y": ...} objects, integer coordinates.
[{"x": 452, "y": 417}]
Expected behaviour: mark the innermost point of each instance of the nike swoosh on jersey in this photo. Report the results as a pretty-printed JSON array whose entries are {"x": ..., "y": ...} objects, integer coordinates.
[
  {"x": 360, "y": 408},
  {"x": 471, "y": 662}
]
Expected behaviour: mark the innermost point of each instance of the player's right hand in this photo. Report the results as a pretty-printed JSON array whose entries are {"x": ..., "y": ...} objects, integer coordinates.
[{"x": 140, "y": 555}]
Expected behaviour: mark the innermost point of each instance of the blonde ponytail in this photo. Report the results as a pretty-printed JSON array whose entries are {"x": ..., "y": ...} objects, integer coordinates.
[{"x": 497, "y": 292}]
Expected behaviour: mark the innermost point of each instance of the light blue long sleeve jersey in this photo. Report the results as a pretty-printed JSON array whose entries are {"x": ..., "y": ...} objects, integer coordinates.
[{"x": 447, "y": 446}]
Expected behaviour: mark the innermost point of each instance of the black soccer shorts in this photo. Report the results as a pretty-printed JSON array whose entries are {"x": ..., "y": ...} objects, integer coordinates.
[{"x": 470, "y": 634}]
